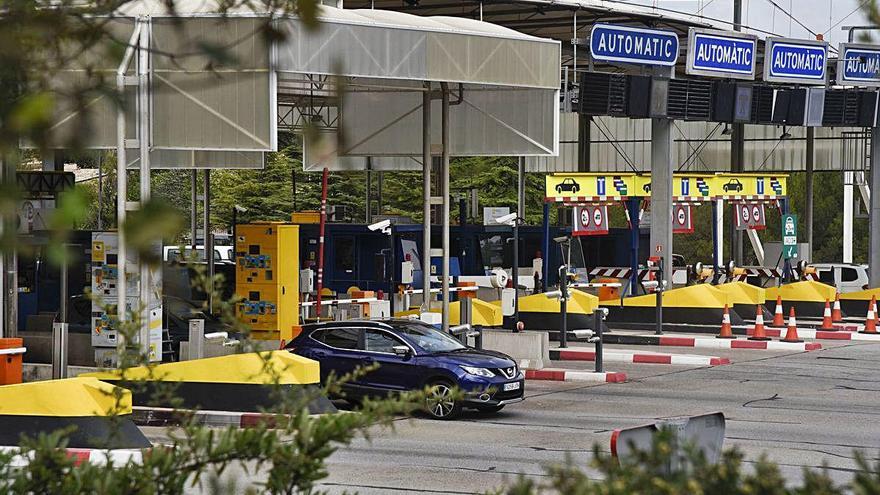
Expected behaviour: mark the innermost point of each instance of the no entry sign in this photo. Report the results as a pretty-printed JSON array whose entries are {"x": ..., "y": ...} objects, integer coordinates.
[
  {"x": 682, "y": 222},
  {"x": 590, "y": 220},
  {"x": 749, "y": 216}
]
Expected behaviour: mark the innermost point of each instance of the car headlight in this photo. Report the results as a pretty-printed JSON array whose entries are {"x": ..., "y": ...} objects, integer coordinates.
[{"x": 478, "y": 371}]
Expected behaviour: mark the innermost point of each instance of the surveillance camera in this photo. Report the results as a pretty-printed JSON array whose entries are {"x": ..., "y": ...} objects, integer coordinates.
[
  {"x": 508, "y": 219},
  {"x": 384, "y": 226}
]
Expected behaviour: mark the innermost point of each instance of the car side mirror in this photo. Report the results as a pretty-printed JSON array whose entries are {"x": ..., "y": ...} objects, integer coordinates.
[{"x": 401, "y": 350}]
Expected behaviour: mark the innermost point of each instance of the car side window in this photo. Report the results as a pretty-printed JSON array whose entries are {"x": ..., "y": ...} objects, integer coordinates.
[
  {"x": 848, "y": 274},
  {"x": 340, "y": 338},
  {"x": 826, "y": 276},
  {"x": 379, "y": 341}
]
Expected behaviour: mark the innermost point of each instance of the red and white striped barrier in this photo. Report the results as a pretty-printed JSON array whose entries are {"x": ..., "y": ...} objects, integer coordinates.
[
  {"x": 563, "y": 375},
  {"x": 737, "y": 344},
  {"x": 811, "y": 333},
  {"x": 337, "y": 302},
  {"x": 115, "y": 457},
  {"x": 163, "y": 416},
  {"x": 583, "y": 354}
]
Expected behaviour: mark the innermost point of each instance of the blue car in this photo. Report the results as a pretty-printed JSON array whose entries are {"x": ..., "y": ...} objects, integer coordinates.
[{"x": 411, "y": 356}]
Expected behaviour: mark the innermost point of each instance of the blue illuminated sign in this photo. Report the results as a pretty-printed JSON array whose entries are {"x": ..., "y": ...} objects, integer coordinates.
[
  {"x": 717, "y": 54},
  {"x": 858, "y": 65},
  {"x": 630, "y": 45},
  {"x": 795, "y": 61}
]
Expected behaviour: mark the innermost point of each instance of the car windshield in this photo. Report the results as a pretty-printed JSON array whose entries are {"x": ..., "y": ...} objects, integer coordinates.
[{"x": 428, "y": 338}]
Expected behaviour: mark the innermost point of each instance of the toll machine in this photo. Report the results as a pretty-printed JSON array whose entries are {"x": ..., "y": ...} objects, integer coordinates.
[
  {"x": 267, "y": 279},
  {"x": 105, "y": 298}
]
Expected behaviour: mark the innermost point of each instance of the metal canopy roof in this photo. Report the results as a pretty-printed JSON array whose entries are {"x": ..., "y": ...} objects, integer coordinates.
[
  {"x": 204, "y": 113},
  {"x": 554, "y": 19}
]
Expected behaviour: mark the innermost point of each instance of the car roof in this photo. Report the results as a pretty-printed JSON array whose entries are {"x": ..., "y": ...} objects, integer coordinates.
[{"x": 386, "y": 323}]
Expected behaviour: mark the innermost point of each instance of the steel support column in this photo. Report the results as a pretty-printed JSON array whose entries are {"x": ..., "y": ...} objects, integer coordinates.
[
  {"x": 426, "y": 198},
  {"x": 144, "y": 132},
  {"x": 209, "y": 241},
  {"x": 661, "y": 193},
  {"x": 632, "y": 206},
  {"x": 848, "y": 190},
  {"x": 874, "y": 212},
  {"x": 584, "y": 126},
  {"x": 444, "y": 192},
  {"x": 808, "y": 213},
  {"x": 9, "y": 296},
  {"x": 193, "y": 212}
]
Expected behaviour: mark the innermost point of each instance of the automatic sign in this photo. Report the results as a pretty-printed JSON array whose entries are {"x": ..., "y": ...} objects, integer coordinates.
[{"x": 590, "y": 220}]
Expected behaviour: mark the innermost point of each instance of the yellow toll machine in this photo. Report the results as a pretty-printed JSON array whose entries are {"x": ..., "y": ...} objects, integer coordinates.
[{"x": 267, "y": 279}]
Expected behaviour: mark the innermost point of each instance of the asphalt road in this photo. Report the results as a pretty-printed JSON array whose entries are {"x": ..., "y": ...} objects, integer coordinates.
[{"x": 802, "y": 410}]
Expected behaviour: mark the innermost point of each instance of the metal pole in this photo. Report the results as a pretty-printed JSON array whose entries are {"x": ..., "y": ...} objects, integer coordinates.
[
  {"x": 323, "y": 222},
  {"x": 426, "y": 197},
  {"x": 209, "y": 240},
  {"x": 811, "y": 156},
  {"x": 193, "y": 211},
  {"x": 874, "y": 211},
  {"x": 520, "y": 214},
  {"x": 391, "y": 288},
  {"x": 545, "y": 261},
  {"x": 444, "y": 191},
  {"x": 661, "y": 191},
  {"x": 144, "y": 169},
  {"x": 658, "y": 329},
  {"x": 737, "y": 151},
  {"x": 9, "y": 309},
  {"x": 563, "y": 305},
  {"x": 60, "y": 329},
  {"x": 633, "y": 206},
  {"x": 121, "y": 198},
  {"x": 848, "y": 216},
  {"x": 599, "y": 322},
  {"x": 100, "y": 191},
  {"x": 368, "y": 213}
]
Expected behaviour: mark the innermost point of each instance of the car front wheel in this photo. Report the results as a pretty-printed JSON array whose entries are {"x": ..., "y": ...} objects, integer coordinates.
[{"x": 441, "y": 403}]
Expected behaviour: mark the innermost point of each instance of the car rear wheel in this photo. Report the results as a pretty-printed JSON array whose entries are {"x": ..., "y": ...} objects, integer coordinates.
[
  {"x": 441, "y": 403},
  {"x": 490, "y": 409}
]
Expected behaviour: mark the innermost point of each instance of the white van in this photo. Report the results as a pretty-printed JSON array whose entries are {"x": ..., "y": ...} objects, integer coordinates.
[{"x": 846, "y": 277}]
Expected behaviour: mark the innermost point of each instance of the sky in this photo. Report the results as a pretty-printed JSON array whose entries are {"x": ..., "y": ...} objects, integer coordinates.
[{"x": 820, "y": 16}]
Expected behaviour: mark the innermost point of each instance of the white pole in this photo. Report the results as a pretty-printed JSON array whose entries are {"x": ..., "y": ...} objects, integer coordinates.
[
  {"x": 847, "y": 217},
  {"x": 144, "y": 141}
]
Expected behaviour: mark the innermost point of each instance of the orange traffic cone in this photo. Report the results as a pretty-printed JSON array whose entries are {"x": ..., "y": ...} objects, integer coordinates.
[
  {"x": 759, "y": 333},
  {"x": 870, "y": 320},
  {"x": 836, "y": 315},
  {"x": 791, "y": 335},
  {"x": 726, "y": 332},
  {"x": 778, "y": 319},
  {"x": 826, "y": 317}
]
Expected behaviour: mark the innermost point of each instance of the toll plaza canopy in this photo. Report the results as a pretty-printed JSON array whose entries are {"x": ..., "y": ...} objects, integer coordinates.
[{"x": 202, "y": 113}]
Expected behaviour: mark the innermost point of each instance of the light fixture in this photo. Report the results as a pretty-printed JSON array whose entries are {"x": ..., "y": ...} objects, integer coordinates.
[
  {"x": 785, "y": 134},
  {"x": 726, "y": 131}
]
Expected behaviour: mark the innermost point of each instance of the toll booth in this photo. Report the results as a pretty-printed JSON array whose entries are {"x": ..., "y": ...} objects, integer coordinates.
[{"x": 267, "y": 279}]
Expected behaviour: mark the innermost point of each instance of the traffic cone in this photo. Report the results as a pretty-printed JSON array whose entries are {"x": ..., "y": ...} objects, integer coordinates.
[
  {"x": 726, "y": 332},
  {"x": 836, "y": 316},
  {"x": 778, "y": 319},
  {"x": 870, "y": 319},
  {"x": 759, "y": 333},
  {"x": 826, "y": 317},
  {"x": 791, "y": 335}
]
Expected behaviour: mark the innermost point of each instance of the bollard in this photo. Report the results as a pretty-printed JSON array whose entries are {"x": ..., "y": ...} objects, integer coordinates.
[
  {"x": 59, "y": 350},
  {"x": 563, "y": 305},
  {"x": 478, "y": 339},
  {"x": 599, "y": 320},
  {"x": 196, "y": 338}
]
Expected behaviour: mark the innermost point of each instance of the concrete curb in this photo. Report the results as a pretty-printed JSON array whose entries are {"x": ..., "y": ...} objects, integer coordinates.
[
  {"x": 808, "y": 333},
  {"x": 713, "y": 343},
  {"x": 563, "y": 375},
  {"x": 582, "y": 354},
  {"x": 115, "y": 457}
]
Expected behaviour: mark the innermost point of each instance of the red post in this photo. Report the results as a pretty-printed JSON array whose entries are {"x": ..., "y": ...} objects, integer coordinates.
[{"x": 320, "y": 282}]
